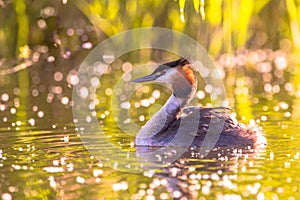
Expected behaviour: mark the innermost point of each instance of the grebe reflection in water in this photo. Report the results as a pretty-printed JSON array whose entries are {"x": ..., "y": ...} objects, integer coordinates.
[{"x": 161, "y": 129}]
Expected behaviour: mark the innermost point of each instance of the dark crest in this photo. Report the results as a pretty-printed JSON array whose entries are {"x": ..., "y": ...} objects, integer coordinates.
[{"x": 180, "y": 62}]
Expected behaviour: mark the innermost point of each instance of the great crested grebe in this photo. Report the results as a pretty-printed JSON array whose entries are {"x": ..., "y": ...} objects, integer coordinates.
[{"x": 162, "y": 128}]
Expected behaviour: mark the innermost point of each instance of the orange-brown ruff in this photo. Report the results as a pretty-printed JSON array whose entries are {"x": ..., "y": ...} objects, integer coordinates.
[
  {"x": 188, "y": 72},
  {"x": 163, "y": 128}
]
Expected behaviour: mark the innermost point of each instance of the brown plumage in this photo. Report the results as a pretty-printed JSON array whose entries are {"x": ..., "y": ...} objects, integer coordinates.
[{"x": 177, "y": 125}]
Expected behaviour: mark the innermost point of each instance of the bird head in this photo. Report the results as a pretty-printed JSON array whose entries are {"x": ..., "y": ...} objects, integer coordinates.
[{"x": 179, "y": 74}]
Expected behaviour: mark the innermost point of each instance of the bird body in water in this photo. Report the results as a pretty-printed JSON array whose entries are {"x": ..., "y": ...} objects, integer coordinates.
[{"x": 177, "y": 125}]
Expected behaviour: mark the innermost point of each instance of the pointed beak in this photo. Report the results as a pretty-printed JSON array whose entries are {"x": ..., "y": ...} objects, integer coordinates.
[{"x": 150, "y": 77}]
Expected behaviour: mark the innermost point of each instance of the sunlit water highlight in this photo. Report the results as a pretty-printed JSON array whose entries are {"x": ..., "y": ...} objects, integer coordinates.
[{"x": 54, "y": 164}]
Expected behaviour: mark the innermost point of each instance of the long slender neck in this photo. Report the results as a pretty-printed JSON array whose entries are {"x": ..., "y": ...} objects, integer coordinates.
[
  {"x": 160, "y": 121},
  {"x": 183, "y": 91}
]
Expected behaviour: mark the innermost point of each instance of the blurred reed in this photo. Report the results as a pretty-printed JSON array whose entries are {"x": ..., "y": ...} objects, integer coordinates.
[{"x": 222, "y": 26}]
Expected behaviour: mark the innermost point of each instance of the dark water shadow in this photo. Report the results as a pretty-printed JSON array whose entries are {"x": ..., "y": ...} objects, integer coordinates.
[{"x": 184, "y": 174}]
